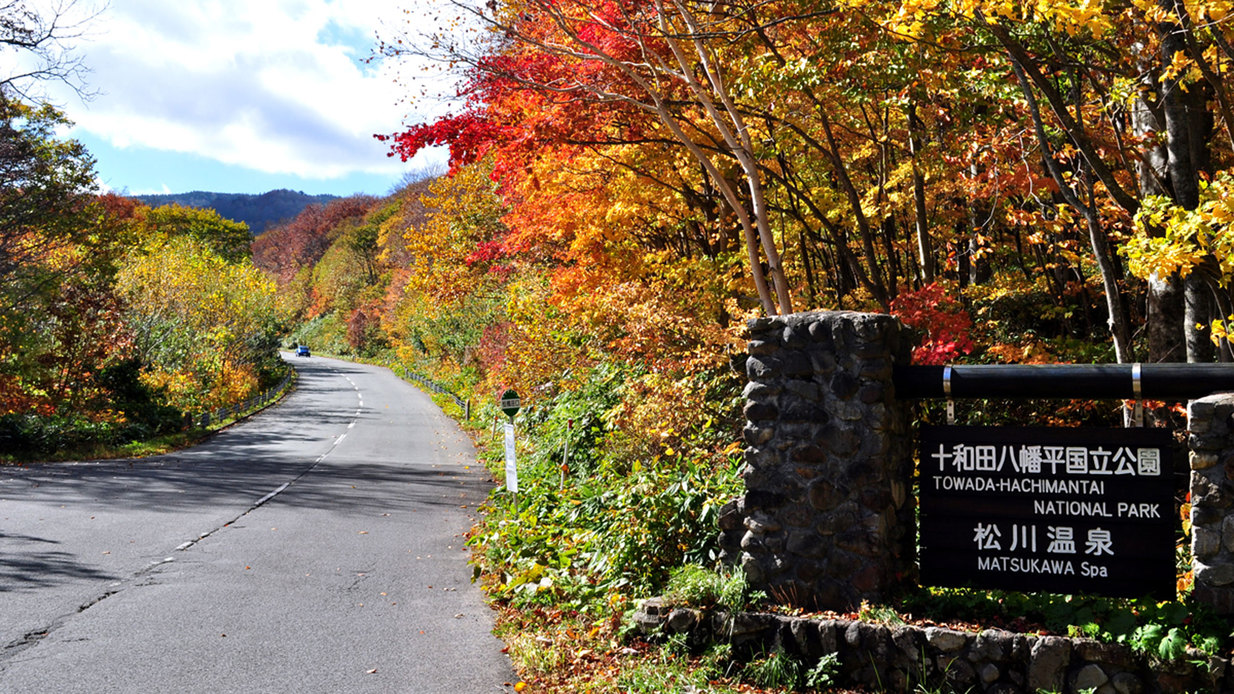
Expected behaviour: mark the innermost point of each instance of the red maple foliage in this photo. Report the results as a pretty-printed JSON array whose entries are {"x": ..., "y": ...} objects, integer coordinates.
[
  {"x": 284, "y": 249},
  {"x": 469, "y": 135},
  {"x": 943, "y": 319}
]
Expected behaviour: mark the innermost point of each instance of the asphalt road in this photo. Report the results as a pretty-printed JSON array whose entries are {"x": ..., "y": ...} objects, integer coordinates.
[{"x": 317, "y": 547}]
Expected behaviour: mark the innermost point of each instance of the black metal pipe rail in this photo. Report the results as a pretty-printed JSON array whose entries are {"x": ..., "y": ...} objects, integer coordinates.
[{"x": 1174, "y": 382}]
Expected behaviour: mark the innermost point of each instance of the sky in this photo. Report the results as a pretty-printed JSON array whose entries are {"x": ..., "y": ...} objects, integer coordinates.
[{"x": 242, "y": 96}]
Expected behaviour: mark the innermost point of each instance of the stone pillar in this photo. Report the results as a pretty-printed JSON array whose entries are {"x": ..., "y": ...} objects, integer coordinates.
[
  {"x": 1211, "y": 442},
  {"x": 827, "y": 517}
]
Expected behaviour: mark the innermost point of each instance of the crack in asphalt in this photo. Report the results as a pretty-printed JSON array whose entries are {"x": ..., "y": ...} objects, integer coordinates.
[{"x": 32, "y": 638}]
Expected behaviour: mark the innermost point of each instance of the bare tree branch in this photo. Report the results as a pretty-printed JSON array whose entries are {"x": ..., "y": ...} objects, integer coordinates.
[{"x": 38, "y": 47}]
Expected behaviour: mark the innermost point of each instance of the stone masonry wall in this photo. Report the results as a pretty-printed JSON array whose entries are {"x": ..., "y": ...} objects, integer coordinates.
[
  {"x": 905, "y": 658},
  {"x": 1211, "y": 429},
  {"x": 826, "y": 520}
]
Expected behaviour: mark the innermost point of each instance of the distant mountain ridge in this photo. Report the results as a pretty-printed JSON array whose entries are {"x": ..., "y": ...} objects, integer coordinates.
[{"x": 260, "y": 212}]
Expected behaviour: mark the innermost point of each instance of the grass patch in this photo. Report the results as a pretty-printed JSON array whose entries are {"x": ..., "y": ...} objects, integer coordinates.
[
  {"x": 776, "y": 670},
  {"x": 697, "y": 586}
]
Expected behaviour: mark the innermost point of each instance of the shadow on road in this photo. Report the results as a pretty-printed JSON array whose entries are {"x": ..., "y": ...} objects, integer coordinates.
[
  {"x": 249, "y": 460},
  {"x": 184, "y": 483},
  {"x": 30, "y": 568}
]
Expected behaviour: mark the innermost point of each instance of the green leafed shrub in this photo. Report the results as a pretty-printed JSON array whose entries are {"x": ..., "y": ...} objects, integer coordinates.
[
  {"x": 1164, "y": 630},
  {"x": 608, "y": 526},
  {"x": 696, "y": 585},
  {"x": 776, "y": 670}
]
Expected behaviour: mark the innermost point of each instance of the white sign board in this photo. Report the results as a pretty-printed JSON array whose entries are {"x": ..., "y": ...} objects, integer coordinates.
[{"x": 511, "y": 467}]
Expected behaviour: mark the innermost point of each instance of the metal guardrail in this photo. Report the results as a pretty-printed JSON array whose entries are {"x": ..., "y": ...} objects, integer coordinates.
[
  {"x": 205, "y": 419},
  {"x": 436, "y": 388},
  {"x": 1064, "y": 381}
]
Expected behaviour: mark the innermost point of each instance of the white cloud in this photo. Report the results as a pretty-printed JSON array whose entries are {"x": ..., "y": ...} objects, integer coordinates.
[{"x": 277, "y": 86}]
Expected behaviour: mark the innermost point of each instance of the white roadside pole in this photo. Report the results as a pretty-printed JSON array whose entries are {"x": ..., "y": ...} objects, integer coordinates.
[
  {"x": 510, "y": 404},
  {"x": 511, "y": 463},
  {"x": 565, "y": 453}
]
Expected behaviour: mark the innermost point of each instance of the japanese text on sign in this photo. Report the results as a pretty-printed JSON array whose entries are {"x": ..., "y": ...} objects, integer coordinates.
[{"x": 1054, "y": 460}]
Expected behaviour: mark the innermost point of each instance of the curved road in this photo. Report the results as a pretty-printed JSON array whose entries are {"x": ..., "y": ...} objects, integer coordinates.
[{"x": 317, "y": 547}]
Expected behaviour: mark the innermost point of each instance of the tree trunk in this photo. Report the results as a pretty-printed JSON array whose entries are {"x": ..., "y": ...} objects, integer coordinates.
[
  {"x": 1120, "y": 329},
  {"x": 731, "y": 125},
  {"x": 1199, "y": 316},
  {"x": 1184, "y": 179},
  {"x": 979, "y": 271},
  {"x": 925, "y": 246},
  {"x": 1165, "y": 319}
]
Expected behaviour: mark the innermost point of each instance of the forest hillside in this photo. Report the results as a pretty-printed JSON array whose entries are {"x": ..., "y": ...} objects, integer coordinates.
[
  {"x": 630, "y": 183},
  {"x": 259, "y": 212}
]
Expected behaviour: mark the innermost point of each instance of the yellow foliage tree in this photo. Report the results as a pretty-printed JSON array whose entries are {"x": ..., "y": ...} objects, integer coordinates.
[{"x": 204, "y": 325}]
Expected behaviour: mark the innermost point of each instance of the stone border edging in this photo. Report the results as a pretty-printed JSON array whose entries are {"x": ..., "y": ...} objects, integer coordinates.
[{"x": 900, "y": 658}]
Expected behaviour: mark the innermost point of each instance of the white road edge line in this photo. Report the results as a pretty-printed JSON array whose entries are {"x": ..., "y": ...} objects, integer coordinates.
[
  {"x": 271, "y": 495},
  {"x": 118, "y": 586}
]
